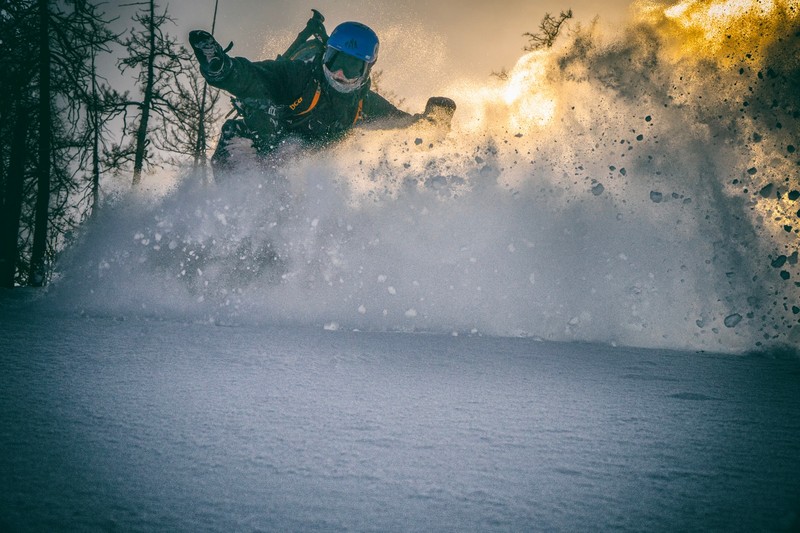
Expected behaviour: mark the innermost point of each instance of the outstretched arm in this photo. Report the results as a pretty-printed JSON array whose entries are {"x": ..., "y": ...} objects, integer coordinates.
[
  {"x": 377, "y": 107},
  {"x": 239, "y": 76},
  {"x": 438, "y": 111}
]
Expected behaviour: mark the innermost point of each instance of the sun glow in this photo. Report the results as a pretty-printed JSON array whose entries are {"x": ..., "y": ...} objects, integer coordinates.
[
  {"x": 521, "y": 101},
  {"x": 722, "y": 27},
  {"x": 715, "y": 16},
  {"x": 525, "y": 92}
]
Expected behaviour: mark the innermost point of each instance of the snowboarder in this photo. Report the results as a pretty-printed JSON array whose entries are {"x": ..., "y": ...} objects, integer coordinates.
[{"x": 317, "y": 98}]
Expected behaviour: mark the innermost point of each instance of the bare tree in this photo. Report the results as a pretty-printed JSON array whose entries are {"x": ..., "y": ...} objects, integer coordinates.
[
  {"x": 37, "y": 272},
  {"x": 548, "y": 31},
  {"x": 193, "y": 114},
  {"x": 159, "y": 60},
  {"x": 102, "y": 104},
  {"x": 502, "y": 74}
]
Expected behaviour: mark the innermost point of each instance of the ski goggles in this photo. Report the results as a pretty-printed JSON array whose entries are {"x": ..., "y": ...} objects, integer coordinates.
[{"x": 352, "y": 67}]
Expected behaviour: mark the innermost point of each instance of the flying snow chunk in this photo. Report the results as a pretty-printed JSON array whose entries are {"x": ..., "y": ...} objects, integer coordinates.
[
  {"x": 732, "y": 320},
  {"x": 362, "y": 309},
  {"x": 779, "y": 261},
  {"x": 331, "y": 326},
  {"x": 411, "y": 313}
]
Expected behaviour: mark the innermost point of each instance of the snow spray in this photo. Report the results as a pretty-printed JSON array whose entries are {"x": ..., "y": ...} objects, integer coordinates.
[{"x": 639, "y": 189}]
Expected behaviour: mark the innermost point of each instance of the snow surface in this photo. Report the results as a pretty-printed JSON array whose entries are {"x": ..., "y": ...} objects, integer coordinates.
[
  {"x": 506, "y": 327},
  {"x": 144, "y": 425}
]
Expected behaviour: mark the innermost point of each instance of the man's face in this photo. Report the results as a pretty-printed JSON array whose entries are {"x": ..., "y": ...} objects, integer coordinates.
[{"x": 345, "y": 67}]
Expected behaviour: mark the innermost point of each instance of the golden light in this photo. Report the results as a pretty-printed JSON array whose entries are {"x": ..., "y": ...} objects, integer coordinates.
[
  {"x": 707, "y": 28},
  {"x": 713, "y": 17},
  {"x": 523, "y": 101},
  {"x": 526, "y": 93}
]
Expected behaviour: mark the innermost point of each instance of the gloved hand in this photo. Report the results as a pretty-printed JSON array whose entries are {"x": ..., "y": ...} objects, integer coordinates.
[
  {"x": 440, "y": 110},
  {"x": 212, "y": 58}
]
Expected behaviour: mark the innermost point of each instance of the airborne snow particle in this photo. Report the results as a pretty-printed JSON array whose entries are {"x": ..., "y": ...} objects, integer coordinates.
[
  {"x": 411, "y": 313},
  {"x": 779, "y": 261},
  {"x": 598, "y": 189},
  {"x": 732, "y": 320},
  {"x": 656, "y": 196}
]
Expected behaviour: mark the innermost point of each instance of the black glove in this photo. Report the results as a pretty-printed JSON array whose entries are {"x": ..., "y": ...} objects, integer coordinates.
[
  {"x": 440, "y": 110},
  {"x": 213, "y": 60}
]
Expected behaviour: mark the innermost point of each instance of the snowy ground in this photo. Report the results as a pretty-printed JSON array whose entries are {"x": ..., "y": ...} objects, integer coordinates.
[{"x": 139, "y": 425}]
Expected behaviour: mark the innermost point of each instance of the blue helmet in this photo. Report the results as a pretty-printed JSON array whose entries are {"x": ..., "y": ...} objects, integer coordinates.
[
  {"x": 355, "y": 39},
  {"x": 351, "y": 51}
]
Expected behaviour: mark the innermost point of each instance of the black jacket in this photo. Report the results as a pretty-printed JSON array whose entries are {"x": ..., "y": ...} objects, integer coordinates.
[{"x": 295, "y": 98}]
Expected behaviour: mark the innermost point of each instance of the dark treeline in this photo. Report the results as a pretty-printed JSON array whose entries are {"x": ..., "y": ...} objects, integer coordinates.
[{"x": 63, "y": 126}]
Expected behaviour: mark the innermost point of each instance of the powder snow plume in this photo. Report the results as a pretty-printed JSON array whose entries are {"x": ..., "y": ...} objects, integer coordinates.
[{"x": 639, "y": 189}]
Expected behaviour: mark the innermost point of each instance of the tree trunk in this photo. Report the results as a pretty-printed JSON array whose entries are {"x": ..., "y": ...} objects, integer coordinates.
[
  {"x": 12, "y": 207},
  {"x": 95, "y": 114},
  {"x": 200, "y": 149},
  {"x": 37, "y": 275},
  {"x": 141, "y": 133}
]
